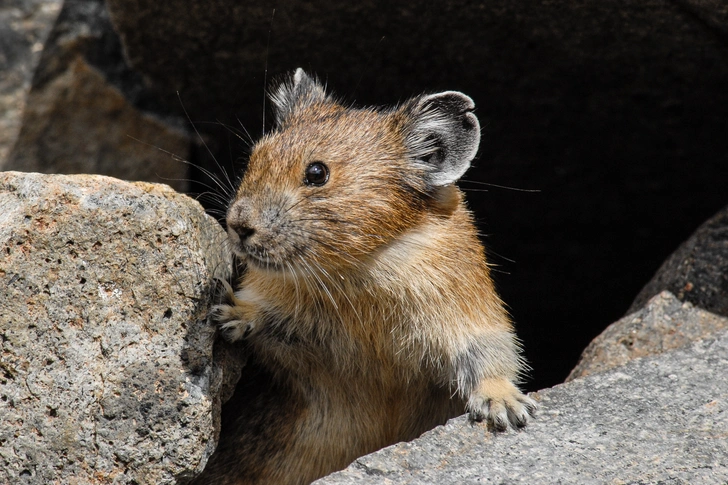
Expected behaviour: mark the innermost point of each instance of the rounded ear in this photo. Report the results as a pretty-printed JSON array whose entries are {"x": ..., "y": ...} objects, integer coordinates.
[
  {"x": 296, "y": 92},
  {"x": 444, "y": 135}
]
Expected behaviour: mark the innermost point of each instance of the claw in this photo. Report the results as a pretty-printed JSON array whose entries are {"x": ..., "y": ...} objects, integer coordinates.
[{"x": 500, "y": 404}]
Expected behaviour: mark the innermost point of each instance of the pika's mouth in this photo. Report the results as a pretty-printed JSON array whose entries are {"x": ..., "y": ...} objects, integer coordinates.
[
  {"x": 254, "y": 254},
  {"x": 260, "y": 259}
]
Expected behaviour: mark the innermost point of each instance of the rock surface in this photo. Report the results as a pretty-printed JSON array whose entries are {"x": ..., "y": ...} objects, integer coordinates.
[
  {"x": 24, "y": 26},
  {"x": 85, "y": 112},
  {"x": 659, "y": 419},
  {"x": 665, "y": 323},
  {"x": 697, "y": 272},
  {"x": 106, "y": 359}
]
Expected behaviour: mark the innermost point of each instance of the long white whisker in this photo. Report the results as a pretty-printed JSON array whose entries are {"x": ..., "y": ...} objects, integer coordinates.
[
  {"x": 323, "y": 287},
  {"x": 343, "y": 293},
  {"x": 313, "y": 291}
]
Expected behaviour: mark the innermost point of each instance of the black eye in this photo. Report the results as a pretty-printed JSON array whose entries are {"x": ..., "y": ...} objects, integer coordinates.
[{"x": 317, "y": 174}]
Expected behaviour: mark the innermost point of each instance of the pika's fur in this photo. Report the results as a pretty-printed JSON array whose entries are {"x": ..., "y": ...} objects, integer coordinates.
[{"x": 367, "y": 305}]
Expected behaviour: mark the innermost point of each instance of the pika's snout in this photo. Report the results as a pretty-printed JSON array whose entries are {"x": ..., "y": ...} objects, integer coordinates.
[{"x": 239, "y": 221}]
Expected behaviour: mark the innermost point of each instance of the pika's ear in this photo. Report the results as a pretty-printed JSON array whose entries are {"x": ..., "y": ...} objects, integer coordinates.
[
  {"x": 294, "y": 93},
  {"x": 443, "y": 135}
]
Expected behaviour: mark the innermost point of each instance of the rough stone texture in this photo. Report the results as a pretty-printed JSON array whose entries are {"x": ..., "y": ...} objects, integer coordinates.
[
  {"x": 106, "y": 359},
  {"x": 24, "y": 25},
  {"x": 85, "y": 110},
  {"x": 665, "y": 323},
  {"x": 660, "y": 419},
  {"x": 67, "y": 128},
  {"x": 614, "y": 110},
  {"x": 713, "y": 13},
  {"x": 697, "y": 271}
]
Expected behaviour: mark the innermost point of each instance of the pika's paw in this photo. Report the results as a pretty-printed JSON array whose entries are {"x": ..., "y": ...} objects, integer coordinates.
[
  {"x": 233, "y": 321},
  {"x": 236, "y": 318},
  {"x": 500, "y": 404}
]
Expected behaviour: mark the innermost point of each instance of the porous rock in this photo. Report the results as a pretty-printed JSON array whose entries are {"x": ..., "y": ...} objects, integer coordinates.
[
  {"x": 697, "y": 272},
  {"x": 665, "y": 323},
  {"x": 658, "y": 419},
  {"x": 106, "y": 358}
]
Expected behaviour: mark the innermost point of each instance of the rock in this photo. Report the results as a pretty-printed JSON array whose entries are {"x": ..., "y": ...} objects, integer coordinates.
[
  {"x": 663, "y": 324},
  {"x": 24, "y": 26},
  {"x": 659, "y": 419},
  {"x": 713, "y": 13},
  {"x": 85, "y": 112},
  {"x": 697, "y": 272},
  {"x": 106, "y": 358}
]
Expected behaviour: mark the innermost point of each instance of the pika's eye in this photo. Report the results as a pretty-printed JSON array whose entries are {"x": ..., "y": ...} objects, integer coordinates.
[{"x": 317, "y": 174}]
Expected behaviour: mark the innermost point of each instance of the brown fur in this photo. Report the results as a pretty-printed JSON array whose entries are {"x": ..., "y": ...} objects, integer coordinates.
[{"x": 367, "y": 306}]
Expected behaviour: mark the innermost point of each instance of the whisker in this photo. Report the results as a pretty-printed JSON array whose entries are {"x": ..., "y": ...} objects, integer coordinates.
[
  {"x": 252, "y": 142},
  {"x": 324, "y": 219},
  {"x": 194, "y": 127},
  {"x": 297, "y": 293},
  {"x": 212, "y": 176},
  {"x": 248, "y": 142},
  {"x": 499, "y": 186},
  {"x": 265, "y": 72},
  {"x": 302, "y": 199},
  {"x": 343, "y": 293},
  {"x": 323, "y": 285},
  {"x": 306, "y": 279}
]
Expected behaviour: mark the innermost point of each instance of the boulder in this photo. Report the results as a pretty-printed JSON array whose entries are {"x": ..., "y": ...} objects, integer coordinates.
[
  {"x": 107, "y": 372},
  {"x": 657, "y": 419},
  {"x": 24, "y": 26},
  {"x": 697, "y": 272},
  {"x": 665, "y": 323},
  {"x": 87, "y": 112}
]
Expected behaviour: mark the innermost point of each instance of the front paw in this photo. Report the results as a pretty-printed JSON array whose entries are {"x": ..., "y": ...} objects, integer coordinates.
[
  {"x": 233, "y": 320},
  {"x": 236, "y": 318},
  {"x": 500, "y": 404}
]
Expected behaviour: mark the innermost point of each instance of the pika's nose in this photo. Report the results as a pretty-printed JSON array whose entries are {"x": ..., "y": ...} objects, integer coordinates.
[
  {"x": 243, "y": 231},
  {"x": 238, "y": 219}
]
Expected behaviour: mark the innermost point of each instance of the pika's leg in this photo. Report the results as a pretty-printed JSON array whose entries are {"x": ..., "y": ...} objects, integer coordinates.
[
  {"x": 499, "y": 402},
  {"x": 485, "y": 370},
  {"x": 237, "y": 318}
]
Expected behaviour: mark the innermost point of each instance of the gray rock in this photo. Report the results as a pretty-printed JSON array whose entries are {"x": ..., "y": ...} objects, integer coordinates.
[
  {"x": 24, "y": 26},
  {"x": 697, "y": 271},
  {"x": 106, "y": 359},
  {"x": 85, "y": 112},
  {"x": 665, "y": 323},
  {"x": 660, "y": 419}
]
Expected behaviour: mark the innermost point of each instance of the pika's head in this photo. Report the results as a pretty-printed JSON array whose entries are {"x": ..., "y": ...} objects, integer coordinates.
[{"x": 332, "y": 185}]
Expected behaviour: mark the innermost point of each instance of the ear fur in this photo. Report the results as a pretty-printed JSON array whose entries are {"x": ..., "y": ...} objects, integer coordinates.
[
  {"x": 444, "y": 135},
  {"x": 296, "y": 92}
]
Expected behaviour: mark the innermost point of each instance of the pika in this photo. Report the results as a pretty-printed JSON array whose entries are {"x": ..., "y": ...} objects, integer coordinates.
[{"x": 366, "y": 306}]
